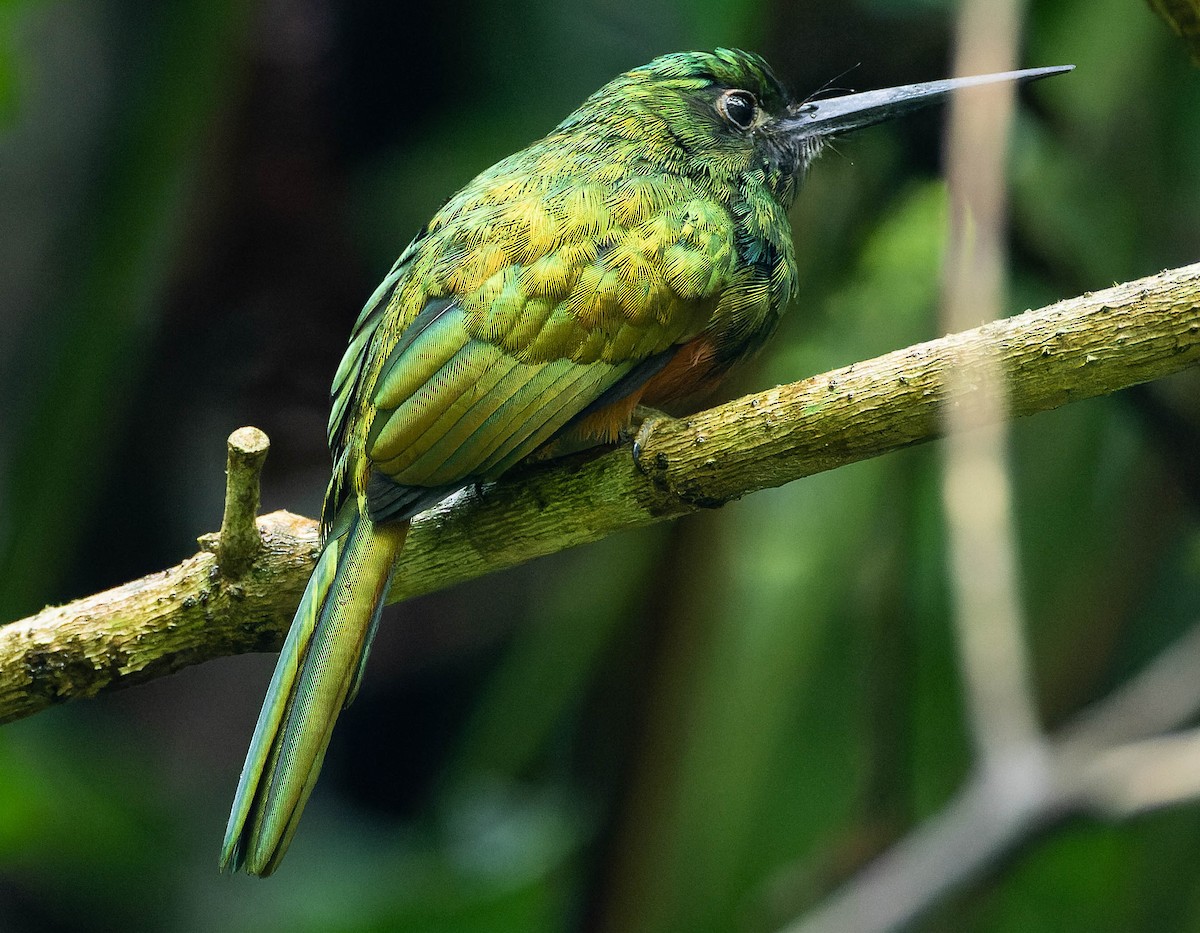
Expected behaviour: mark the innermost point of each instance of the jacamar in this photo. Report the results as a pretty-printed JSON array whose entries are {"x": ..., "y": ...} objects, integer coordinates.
[{"x": 631, "y": 256}]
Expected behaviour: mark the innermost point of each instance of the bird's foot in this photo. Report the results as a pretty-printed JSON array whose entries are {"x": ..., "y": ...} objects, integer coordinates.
[{"x": 641, "y": 425}]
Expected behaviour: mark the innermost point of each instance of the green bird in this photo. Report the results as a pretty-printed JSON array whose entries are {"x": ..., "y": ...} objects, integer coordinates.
[{"x": 631, "y": 256}]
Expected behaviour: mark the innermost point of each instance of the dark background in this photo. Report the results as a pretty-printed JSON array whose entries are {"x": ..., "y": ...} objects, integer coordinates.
[{"x": 698, "y": 727}]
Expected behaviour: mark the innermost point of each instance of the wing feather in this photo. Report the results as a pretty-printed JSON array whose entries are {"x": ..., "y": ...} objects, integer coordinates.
[
  {"x": 553, "y": 414},
  {"x": 464, "y": 368},
  {"x": 508, "y": 424}
]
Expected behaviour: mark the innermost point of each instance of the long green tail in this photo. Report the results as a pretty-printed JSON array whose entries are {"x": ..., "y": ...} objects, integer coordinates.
[{"x": 317, "y": 676}]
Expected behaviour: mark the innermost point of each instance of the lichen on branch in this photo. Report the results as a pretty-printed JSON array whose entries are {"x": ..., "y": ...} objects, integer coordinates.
[{"x": 237, "y": 595}]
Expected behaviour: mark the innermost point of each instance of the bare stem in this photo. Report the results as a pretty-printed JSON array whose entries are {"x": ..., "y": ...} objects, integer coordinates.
[
  {"x": 240, "y": 542},
  {"x": 1114, "y": 760},
  {"x": 977, "y": 494}
]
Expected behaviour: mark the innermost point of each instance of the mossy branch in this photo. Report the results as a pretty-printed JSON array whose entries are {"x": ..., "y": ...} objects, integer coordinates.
[{"x": 238, "y": 593}]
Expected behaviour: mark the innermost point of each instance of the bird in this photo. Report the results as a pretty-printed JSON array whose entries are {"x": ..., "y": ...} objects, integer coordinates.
[{"x": 632, "y": 256}]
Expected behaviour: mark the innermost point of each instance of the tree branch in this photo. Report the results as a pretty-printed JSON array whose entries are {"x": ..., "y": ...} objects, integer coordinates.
[
  {"x": 211, "y": 605},
  {"x": 1113, "y": 760},
  {"x": 239, "y": 541}
]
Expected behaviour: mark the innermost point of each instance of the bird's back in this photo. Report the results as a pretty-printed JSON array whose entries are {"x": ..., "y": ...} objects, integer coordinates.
[{"x": 567, "y": 272}]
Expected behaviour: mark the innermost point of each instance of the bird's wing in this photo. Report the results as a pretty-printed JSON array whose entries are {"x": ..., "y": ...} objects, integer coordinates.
[
  {"x": 514, "y": 316},
  {"x": 346, "y": 392}
]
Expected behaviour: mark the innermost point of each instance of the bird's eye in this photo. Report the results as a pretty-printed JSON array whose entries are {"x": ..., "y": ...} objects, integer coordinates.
[{"x": 738, "y": 108}]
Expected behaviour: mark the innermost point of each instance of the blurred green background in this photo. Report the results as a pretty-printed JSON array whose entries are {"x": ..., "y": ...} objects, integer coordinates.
[{"x": 700, "y": 727}]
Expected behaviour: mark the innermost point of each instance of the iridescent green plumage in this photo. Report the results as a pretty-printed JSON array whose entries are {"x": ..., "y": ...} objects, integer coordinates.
[
  {"x": 623, "y": 234},
  {"x": 635, "y": 253}
]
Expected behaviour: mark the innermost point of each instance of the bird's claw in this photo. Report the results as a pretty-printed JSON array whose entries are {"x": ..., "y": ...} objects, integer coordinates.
[{"x": 641, "y": 425}]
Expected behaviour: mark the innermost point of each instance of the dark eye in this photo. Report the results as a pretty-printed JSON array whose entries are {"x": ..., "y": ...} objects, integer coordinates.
[{"x": 738, "y": 108}]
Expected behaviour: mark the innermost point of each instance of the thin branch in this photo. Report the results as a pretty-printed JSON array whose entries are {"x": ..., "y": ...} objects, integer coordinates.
[
  {"x": 1108, "y": 762},
  {"x": 1072, "y": 350},
  {"x": 976, "y": 491},
  {"x": 1156, "y": 772},
  {"x": 1161, "y": 697},
  {"x": 982, "y": 823},
  {"x": 1016, "y": 786},
  {"x": 239, "y": 541}
]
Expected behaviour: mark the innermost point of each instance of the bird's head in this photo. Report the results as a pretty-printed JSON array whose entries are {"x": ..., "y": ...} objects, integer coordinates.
[{"x": 725, "y": 114}]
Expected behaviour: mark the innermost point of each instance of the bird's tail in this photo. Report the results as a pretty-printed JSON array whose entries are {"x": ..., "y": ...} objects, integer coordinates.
[{"x": 317, "y": 676}]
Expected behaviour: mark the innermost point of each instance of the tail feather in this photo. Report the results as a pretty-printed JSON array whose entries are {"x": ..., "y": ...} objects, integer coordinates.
[{"x": 317, "y": 675}]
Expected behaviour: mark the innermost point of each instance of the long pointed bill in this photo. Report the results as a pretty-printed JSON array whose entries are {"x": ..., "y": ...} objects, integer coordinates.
[{"x": 836, "y": 115}]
